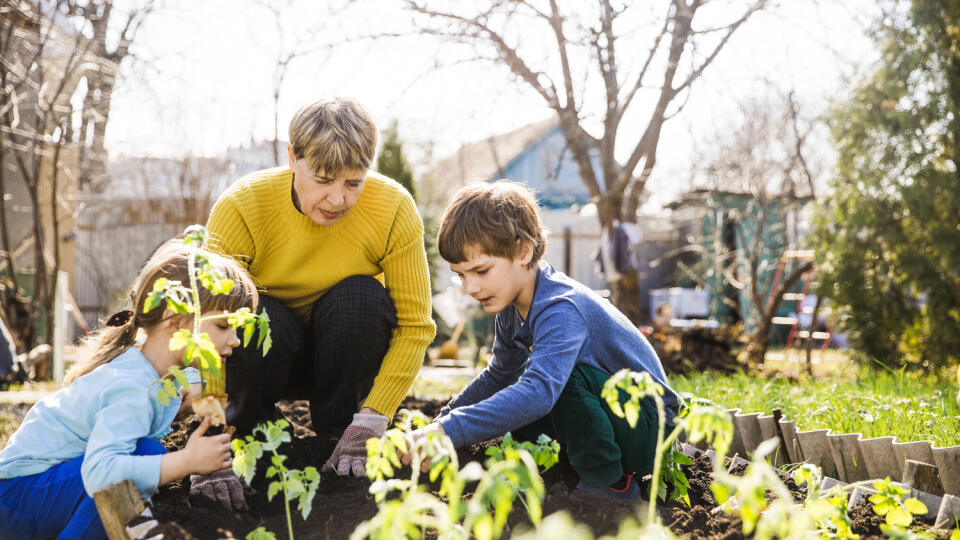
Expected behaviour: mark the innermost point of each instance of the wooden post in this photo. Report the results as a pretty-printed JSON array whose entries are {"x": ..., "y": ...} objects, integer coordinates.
[
  {"x": 117, "y": 504},
  {"x": 567, "y": 250}
]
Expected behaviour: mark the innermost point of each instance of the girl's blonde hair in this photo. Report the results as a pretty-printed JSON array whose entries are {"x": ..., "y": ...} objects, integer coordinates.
[{"x": 171, "y": 261}]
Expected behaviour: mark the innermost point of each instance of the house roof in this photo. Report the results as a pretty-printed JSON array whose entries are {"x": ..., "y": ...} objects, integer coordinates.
[
  {"x": 696, "y": 197},
  {"x": 486, "y": 158}
]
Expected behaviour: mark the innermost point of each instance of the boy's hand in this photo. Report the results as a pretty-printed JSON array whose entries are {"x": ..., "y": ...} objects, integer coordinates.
[
  {"x": 406, "y": 457},
  {"x": 208, "y": 454}
]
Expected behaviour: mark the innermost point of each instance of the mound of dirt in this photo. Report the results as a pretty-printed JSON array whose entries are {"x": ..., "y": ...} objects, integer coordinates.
[{"x": 342, "y": 503}]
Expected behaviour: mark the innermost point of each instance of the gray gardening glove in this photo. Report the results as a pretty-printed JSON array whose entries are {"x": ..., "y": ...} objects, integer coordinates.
[
  {"x": 222, "y": 486},
  {"x": 350, "y": 455}
]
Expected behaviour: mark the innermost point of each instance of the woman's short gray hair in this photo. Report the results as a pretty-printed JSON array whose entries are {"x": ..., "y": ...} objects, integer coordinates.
[{"x": 334, "y": 134}]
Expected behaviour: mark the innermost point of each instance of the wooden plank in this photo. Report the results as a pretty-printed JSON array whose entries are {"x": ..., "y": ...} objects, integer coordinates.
[{"x": 117, "y": 504}]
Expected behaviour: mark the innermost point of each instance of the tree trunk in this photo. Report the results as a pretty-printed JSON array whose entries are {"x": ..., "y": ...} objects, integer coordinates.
[
  {"x": 625, "y": 294},
  {"x": 757, "y": 348}
]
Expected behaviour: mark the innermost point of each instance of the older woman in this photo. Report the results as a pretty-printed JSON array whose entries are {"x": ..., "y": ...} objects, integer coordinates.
[{"x": 337, "y": 251}]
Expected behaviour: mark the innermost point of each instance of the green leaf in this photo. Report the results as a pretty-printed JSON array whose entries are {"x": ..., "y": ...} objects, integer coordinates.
[
  {"x": 260, "y": 533},
  {"x": 914, "y": 506},
  {"x": 273, "y": 489},
  {"x": 899, "y": 517}
]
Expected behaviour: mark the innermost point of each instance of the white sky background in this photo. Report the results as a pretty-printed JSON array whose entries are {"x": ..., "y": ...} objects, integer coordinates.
[{"x": 203, "y": 81}]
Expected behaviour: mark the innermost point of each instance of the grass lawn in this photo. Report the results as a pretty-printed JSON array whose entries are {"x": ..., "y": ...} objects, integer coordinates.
[{"x": 867, "y": 401}]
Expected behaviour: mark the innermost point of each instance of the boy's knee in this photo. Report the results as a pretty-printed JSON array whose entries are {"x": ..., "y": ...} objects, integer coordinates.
[{"x": 149, "y": 447}]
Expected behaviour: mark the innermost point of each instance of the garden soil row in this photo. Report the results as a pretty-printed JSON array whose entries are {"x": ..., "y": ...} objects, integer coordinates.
[{"x": 342, "y": 503}]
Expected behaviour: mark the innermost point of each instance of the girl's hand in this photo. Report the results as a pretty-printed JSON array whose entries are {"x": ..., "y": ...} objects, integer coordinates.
[
  {"x": 208, "y": 454},
  {"x": 187, "y": 395}
]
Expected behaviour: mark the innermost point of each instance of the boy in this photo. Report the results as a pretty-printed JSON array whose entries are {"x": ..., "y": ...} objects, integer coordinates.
[{"x": 556, "y": 344}]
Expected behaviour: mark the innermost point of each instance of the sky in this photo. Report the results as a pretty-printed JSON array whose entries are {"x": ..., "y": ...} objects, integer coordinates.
[{"x": 202, "y": 79}]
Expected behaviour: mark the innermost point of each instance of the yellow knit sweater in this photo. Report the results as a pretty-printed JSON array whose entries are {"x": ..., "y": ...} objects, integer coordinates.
[{"x": 293, "y": 259}]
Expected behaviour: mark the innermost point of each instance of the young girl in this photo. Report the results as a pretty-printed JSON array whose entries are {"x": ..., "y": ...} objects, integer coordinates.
[{"x": 106, "y": 424}]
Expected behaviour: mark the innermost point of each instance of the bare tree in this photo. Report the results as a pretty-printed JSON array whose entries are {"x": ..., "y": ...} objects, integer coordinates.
[
  {"x": 295, "y": 42},
  {"x": 46, "y": 50},
  {"x": 101, "y": 80},
  {"x": 42, "y": 60},
  {"x": 598, "y": 40},
  {"x": 761, "y": 163}
]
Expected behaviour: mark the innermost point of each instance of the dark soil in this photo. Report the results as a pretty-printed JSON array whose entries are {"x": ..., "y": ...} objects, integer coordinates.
[{"x": 342, "y": 503}]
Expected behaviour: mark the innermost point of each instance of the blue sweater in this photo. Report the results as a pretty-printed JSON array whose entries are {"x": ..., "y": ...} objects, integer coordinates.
[
  {"x": 101, "y": 416},
  {"x": 568, "y": 324}
]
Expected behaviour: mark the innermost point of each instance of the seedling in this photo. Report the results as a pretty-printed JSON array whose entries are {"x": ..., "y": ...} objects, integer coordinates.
[
  {"x": 897, "y": 511},
  {"x": 294, "y": 484},
  {"x": 198, "y": 348},
  {"x": 703, "y": 420},
  {"x": 511, "y": 472}
]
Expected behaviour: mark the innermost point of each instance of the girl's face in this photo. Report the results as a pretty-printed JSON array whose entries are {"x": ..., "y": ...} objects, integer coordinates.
[{"x": 223, "y": 336}]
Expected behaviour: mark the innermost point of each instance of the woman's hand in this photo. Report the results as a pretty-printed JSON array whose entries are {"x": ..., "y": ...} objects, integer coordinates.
[{"x": 207, "y": 454}]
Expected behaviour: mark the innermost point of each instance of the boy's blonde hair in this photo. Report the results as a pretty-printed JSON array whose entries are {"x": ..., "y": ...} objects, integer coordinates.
[
  {"x": 497, "y": 217},
  {"x": 171, "y": 261},
  {"x": 334, "y": 134}
]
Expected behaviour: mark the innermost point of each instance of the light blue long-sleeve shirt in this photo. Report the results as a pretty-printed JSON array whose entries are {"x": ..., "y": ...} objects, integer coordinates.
[
  {"x": 532, "y": 360},
  {"x": 101, "y": 416}
]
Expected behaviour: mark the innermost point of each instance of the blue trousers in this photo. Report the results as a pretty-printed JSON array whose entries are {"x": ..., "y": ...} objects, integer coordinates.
[{"x": 53, "y": 504}]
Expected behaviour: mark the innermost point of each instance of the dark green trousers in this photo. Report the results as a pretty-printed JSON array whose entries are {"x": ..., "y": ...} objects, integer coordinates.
[{"x": 600, "y": 445}]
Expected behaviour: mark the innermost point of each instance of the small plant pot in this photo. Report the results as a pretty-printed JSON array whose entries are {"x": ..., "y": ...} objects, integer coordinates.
[
  {"x": 737, "y": 461},
  {"x": 737, "y": 447},
  {"x": 851, "y": 466},
  {"x": 214, "y": 406},
  {"x": 690, "y": 450},
  {"x": 916, "y": 450},
  {"x": 828, "y": 482},
  {"x": 880, "y": 457},
  {"x": 816, "y": 450},
  {"x": 948, "y": 463},
  {"x": 789, "y": 430},
  {"x": 749, "y": 429},
  {"x": 949, "y": 513}
]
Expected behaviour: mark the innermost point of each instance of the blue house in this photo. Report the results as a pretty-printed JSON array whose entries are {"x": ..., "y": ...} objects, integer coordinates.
[{"x": 536, "y": 155}]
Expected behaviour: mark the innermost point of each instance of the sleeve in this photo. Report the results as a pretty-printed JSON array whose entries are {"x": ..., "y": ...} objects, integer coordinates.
[
  {"x": 124, "y": 417},
  {"x": 559, "y": 337},
  {"x": 506, "y": 366},
  {"x": 229, "y": 231},
  {"x": 192, "y": 374},
  {"x": 407, "y": 280}
]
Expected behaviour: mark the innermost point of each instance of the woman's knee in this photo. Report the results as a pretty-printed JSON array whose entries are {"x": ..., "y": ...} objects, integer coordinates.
[{"x": 356, "y": 296}]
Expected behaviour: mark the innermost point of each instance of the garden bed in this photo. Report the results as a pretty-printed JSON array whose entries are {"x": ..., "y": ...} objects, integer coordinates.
[{"x": 343, "y": 503}]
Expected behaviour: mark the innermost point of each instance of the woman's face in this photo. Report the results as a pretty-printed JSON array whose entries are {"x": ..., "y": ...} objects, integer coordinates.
[{"x": 323, "y": 197}]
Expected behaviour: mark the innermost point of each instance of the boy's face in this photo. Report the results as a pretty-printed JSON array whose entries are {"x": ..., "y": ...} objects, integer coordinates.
[
  {"x": 497, "y": 282},
  {"x": 321, "y": 197}
]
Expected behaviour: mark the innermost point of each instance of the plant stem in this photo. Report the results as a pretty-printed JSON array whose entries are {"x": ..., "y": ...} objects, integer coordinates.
[
  {"x": 286, "y": 500},
  {"x": 657, "y": 461}
]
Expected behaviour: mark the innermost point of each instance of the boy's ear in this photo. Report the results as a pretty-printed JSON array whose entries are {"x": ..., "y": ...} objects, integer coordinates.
[{"x": 526, "y": 252}]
